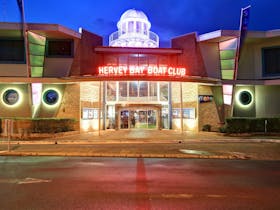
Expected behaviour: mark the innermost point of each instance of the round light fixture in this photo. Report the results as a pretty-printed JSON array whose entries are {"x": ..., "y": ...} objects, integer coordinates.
[
  {"x": 245, "y": 97},
  {"x": 11, "y": 97},
  {"x": 51, "y": 97}
]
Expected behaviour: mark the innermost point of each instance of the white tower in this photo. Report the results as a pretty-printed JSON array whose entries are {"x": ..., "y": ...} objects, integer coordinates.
[{"x": 134, "y": 31}]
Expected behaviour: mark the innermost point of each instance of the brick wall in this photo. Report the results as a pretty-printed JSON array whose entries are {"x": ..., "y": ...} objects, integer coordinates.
[
  {"x": 21, "y": 110},
  {"x": 70, "y": 104},
  {"x": 207, "y": 112},
  {"x": 189, "y": 95}
]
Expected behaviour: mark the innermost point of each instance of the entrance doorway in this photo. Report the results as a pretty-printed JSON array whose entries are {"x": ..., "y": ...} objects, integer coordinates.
[{"x": 138, "y": 118}]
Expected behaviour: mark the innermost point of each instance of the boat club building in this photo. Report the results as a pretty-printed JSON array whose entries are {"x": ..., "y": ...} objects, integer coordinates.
[{"x": 54, "y": 72}]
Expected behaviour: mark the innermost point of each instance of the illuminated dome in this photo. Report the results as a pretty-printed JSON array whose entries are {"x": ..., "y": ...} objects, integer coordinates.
[
  {"x": 134, "y": 31},
  {"x": 132, "y": 13}
]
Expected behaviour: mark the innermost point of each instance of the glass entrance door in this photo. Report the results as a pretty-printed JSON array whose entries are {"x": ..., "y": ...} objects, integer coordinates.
[
  {"x": 124, "y": 115},
  {"x": 138, "y": 118}
]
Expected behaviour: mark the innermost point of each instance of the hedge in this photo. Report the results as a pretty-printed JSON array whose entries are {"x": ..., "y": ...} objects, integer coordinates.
[
  {"x": 250, "y": 125},
  {"x": 42, "y": 125}
]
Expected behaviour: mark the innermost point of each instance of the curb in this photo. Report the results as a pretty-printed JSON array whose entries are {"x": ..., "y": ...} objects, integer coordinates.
[{"x": 76, "y": 154}]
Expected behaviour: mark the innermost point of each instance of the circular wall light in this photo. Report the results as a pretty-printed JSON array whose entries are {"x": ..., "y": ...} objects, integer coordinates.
[
  {"x": 51, "y": 97},
  {"x": 11, "y": 97},
  {"x": 245, "y": 98}
]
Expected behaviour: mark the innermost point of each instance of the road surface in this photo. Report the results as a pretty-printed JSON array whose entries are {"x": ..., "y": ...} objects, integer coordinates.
[{"x": 131, "y": 183}]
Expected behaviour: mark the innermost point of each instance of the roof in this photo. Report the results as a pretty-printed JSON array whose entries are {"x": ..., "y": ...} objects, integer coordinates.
[{"x": 48, "y": 30}]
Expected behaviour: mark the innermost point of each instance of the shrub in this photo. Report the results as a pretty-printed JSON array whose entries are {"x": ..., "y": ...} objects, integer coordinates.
[
  {"x": 248, "y": 125},
  {"x": 206, "y": 127},
  {"x": 223, "y": 129},
  {"x": 52, "y": 125}
]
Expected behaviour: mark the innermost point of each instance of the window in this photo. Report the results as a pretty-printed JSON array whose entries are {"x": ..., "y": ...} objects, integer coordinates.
[
  {"x": 111, "y": 91},
  {"x": 164, "y": 91},
  {"x": 133, "y": 89},
  {"x": 123, "y": 28},
  {"x": 227, "y": 58},
  {"x": 138, "y": 27},
  {"x": 12, "y": 51},
  {"x": 123, "y": 60},
  {"x": 110, "y": 60},
  {"x": 271, "y": 61},
  {"x": 89, "y": 113},
  {"x": 145, "y": 29},
  {"x": 143, "y": 89},
  {"x": 130, "y": 26},
  {"x": 60, "y": 48},
  {"x": 123, "y": 90},
  {"x": 153, "y": 90}
]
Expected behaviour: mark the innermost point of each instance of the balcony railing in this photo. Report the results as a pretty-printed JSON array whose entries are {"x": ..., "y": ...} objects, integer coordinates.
[{"x": 151, "y": 36}]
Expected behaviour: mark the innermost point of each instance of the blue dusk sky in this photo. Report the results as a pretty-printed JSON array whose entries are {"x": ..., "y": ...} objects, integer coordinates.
[{"x": 169, "y": 18}]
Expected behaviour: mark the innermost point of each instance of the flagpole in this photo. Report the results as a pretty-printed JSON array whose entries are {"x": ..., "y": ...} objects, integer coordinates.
[
  {"x": 24, "y": 33},
  {"x": 243, "y": 26}
]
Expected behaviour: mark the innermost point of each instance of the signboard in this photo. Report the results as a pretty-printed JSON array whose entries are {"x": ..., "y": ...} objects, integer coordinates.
[
  {"x": 205, "y": 98},
  {"x": 134, "y": 70}
]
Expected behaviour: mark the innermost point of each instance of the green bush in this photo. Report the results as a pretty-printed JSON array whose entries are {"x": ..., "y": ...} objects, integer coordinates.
[
  {"x": 52, "y": 125},
  {"x": 206, "y": 127},
  {"x": 223, "y": 129},
  {"x": 249, "y": 125}
]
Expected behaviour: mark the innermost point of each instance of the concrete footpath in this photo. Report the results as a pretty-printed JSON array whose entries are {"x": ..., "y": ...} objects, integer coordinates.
[{"x": 149, "y": 144}]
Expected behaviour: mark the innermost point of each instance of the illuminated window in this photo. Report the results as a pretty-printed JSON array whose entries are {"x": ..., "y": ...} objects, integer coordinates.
[
  {"x": 143, "y": 89},
  {"x": 145, "y": 29},
  {"x": 122, "y": 90},
  {"x": 123, "y": 28},
  {"x": 111, "y": 91},
  {"x": 123, "y": 59},
  {"x": 143, "y": 60},
  {"x": 164, "y": 91},
  {"x": 130, "y": 26},
  {"x": 227, "y": 58},
  {"x": 50, "y": 97},
  {"x": 11, "y": 97},
  {"x": 153, "y": 60},
  {"x": 227, "y": 94},
  {"x": 138, "y": 27},
  {"x": 111, "y": 60},
  {"x": 133, "y": 89},
  {"x": 153, "y": 91}
]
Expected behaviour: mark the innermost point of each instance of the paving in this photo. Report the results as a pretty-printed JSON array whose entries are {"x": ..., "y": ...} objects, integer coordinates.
[{"x": 149, "y": 144}]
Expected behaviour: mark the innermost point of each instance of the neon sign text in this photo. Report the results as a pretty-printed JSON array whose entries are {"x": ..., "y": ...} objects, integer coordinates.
[{"x": 142, "y": 70}]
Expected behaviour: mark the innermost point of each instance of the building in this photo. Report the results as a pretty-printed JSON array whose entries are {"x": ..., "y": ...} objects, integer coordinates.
[{"x": 55, "y": 72}]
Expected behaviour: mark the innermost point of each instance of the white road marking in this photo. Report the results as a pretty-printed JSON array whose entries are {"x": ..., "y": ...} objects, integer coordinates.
[{"x": 29, "y": 180}]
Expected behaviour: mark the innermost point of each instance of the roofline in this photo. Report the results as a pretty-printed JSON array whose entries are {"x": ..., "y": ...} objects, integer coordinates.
[
  {"x": 40, "y": 27},
  {"x": 134, "y": 50},
  {"x": 222, "y": 35},
  {"x": 92, "y": 78}
]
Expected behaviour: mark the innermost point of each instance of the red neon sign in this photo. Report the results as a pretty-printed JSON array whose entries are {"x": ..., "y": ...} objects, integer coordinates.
[{"x": 142, "y": 71}]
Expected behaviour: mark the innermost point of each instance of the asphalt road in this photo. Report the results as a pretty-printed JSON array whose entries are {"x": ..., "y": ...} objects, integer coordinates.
[{"x": 131, "y": 183}]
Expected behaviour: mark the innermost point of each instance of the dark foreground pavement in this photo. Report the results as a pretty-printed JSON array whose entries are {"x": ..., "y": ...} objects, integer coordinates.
[
  {"x": 149, "y": 143},
  {"x": 72, "y": 183}
]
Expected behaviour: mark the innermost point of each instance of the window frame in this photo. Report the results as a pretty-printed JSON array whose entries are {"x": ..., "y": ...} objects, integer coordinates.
[
  {"x": 23, "y": 61},
  {"x": 71, "y": 41},
  {"x": 264, "y": 73}
]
